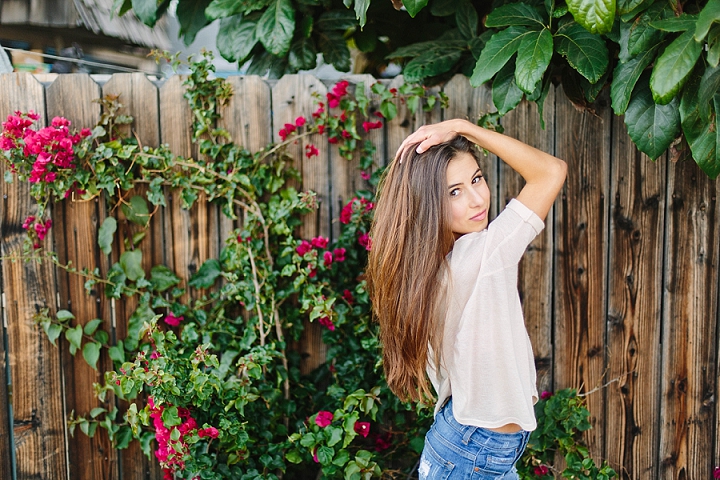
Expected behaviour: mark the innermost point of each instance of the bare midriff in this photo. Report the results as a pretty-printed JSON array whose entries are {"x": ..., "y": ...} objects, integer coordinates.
[{"x": 509, "y": 428}]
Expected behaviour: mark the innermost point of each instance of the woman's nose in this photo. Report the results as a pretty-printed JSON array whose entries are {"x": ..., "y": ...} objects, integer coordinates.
[{"x": 476, "y": 198}]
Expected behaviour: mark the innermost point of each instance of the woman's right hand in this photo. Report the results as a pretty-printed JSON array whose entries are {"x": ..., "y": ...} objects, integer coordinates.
[{"x": 430, "y": 135}]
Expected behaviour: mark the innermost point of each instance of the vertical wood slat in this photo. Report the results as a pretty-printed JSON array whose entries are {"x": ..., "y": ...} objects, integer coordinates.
[
  {"x": 140, "y": 100},
  {"x": 292, "y": 97},
  {"x": 582, "y": 216},
  {"x": 72, "y": 96},
  {"x": 535, "y": 273},
  {"x": 38, "y": 419},
  {"x": 689, "y": 325},
  {"x": 634, "y": 307},
  {"x": 6, "y": 443}
]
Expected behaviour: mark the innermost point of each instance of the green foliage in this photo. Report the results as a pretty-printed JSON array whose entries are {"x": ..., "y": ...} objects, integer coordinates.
[{"x": 213, "y": 390}]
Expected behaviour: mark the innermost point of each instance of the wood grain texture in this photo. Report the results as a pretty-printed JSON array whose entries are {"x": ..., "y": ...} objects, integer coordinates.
[
  {"x": 38, "y": 420},
  {"x": 248, "y": 114},
  {"x": 634, "y": 307},
  {"x": 581, "y": 219},
  {"x": 141, "y": 101},
  {"x": 71, "y": 96},
  {"x": 535, "y": 279},
  {"x": 687, "y": 421},
  {"x": 292, "y": 97}
]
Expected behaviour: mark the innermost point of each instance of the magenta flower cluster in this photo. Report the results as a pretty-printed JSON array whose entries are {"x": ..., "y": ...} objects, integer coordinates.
[{"x": 357, "y": 206}]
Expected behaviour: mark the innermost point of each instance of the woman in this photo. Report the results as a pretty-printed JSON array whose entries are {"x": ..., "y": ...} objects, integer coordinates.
[{"x": 443, "y": 284}]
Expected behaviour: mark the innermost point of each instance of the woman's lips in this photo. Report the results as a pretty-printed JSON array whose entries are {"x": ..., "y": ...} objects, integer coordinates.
[{"x": 480, "y": 216}]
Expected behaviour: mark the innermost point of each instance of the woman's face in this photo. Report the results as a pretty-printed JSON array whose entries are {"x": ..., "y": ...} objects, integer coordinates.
[{"x": 469, "y": 195}]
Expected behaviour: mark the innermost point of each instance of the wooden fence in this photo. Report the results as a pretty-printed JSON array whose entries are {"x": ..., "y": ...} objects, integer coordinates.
[{"x": 620, "y": 291}]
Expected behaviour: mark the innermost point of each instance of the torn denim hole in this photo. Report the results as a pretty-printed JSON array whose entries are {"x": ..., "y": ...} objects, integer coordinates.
[{"x": 424, "y": 469}]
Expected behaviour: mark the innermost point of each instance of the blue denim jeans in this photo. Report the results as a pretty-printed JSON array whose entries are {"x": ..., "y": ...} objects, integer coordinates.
[{"x": 454, "y": 451}]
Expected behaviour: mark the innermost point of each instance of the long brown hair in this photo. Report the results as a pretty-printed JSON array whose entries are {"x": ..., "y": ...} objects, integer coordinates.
[{"x": 411, "y": 236}]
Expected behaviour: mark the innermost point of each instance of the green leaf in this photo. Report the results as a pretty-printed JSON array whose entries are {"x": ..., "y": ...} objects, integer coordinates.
[
  {"x": 325, "y": 455},
  {"x": 146, "y": 11},
  {"x": 91, "y": 326},
  {"x": 236, "y": 38},
  {"x": 708, "y": 15},
  {"x": 498, "y": 50},
  {"x": 303, "y": 55},
  {"x": 642, "y": 35},
  {"x": 627, "y": 6},
  {"x": 206, "y": 276},
  {"x": 388, "y": 110},
  {"x": 117, "y": 353},
  {"x": 162, "y": 278},
  {"x": 713, "y": 41},
  {"x": 123, "y": 437},
  {"x": 505, "y": 93},
  {"x": 443, "y": 8},
  {"x": 700, "y": 135},
  {"x": 64, "y": 315},
  {"x": 336, "y": 20},
  {"x": 336, "y": 434},
  {"x": 584, "y": 51},
  {"x": 140, "y": 316},
  {"x": 131, "y": 263},
  {"x": 533, "y": 58},
  {"x": 276, "y": 27},
  {"x": 53, "y": 331},
  {"x": 335, "y": 50},
  {"x": 596, "y": 16},
  {"x": 361, "y": 7},
  {"x": 366, "y": 40},
  {"x": 417, "y": 49},
  {"x": 91, "y": 353},
  {"x": 191, "y": 16},
  {"x": 74, "y": 336},
  {"x": 652, "y": 127},
  {"x": 625, "y": 77},
  {"x": 466, "y": 18},
  {"x": 137, "y": 210},
  {"x": 105, "y": 234},
  {"x": 223, "y": 8},
  {"x": 414, "y": 6},
  {"x": 709, "y": 85},
  {"x": 293, "y": 456},
  {"x": 429, "y": 65},
  {"x": 682, "y": 23},
  {"x": 515, "y": 14},
  {"x": 673, "y": 67}
]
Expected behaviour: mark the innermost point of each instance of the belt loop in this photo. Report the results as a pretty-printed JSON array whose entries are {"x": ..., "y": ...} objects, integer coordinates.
[{"x": 469, "y": 430}]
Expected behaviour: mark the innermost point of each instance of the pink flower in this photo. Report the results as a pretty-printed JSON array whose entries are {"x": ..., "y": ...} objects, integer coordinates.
[
  {"x": 327, "y": 323},
  {"x": 154, "y": 355},
  {"x": 85, "y": 132},
  {"x": 211, "y": 432},
  {"x": 327, "y": 259},
  {"x": 379, "y": 114},
  {"x": 172, "y": 320},
  {"x": 348, "y": 296},
  {"x": 303, "y": 248},
  {"x": 314, "y": 452},
  {"x": 300, "y": 121},
  {"x": 313, "y": 272},
  {"x": 367, "y": 126},
  {"x": 289, "y": 128},
  {"x": 541, "y": 470},
  {"x": 317, "y": 113},
  {"x": 545, "y": 395},
  {"x": 365, "y": 241},
  {"x": 346, "y": 134},
  {"x": 283, "y": 134},
  {"x": 343, "y": 116},
  {"x": 60, "y": 122},
  {"x": 340, "y": 88},
  {"x": 362, "y": 428},
  {"x": 716, "y": 473},
  {"x": 339, "y": 254},
  {"x": 319, "y": 242},
  {"x": 382, "y": 442},
  {"x": 346, "y": 212},
  {"x": 323, "y": 418},
  {"x": 28, "y": 221},
  {"x": 333, "y": 101},
  {"x": 188, "y": 426},
  {"x": 364, "y": 175},
  {"x": 311, "y": 151},
  {"x": 321, "y": 129},
  {"x": 333, "y": 140}
]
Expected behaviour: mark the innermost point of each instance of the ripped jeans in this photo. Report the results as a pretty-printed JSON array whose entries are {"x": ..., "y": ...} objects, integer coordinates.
[{"x": 454, "y": 451}]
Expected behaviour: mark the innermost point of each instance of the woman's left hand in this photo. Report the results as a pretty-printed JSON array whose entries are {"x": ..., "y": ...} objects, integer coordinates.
[{"x": 431, "y": 135}]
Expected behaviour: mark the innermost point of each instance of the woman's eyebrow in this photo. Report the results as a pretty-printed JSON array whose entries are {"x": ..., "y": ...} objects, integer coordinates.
[{"x": 472, "y": 176}]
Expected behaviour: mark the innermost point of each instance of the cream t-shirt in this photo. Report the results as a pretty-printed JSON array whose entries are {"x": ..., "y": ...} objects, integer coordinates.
[{"x": 488, "y": 365}]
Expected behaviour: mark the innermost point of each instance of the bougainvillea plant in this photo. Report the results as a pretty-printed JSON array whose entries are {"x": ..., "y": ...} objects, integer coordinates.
[{"x": 211, "y": 387}]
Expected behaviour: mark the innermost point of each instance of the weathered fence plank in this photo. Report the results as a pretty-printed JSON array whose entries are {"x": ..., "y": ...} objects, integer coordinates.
[
  {"x": 6, "y": 443},
  {"x": 583, "y": 141},
  {"x": 536, "y": 274},
  {"x": 72, "y": 96},
  {"x": 139, "y": 97},
  {"x": 689, "y": 319},
  {"x": 635, "y": 263},
  {"x": 38, "y": 420}
]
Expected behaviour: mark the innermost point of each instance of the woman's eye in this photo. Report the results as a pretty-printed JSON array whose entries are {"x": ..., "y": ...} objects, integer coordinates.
[
  {"x": 477, "y": 179},
  {"x": 454, "y": 192}
]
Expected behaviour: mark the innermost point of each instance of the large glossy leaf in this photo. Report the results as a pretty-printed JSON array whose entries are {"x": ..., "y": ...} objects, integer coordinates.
[
  {"x": 146, "y": 11},
  {"x": 276, "y": 27},
  {"x": 625, "y": 77},
  {"x": 361, "y": 7},
  {"x": 673, "y": 67},
  {"x": 337, "y": 20},
  {"x": 533, "y": 58},
  {"x": 515, "y": 14},
  {"x": 466, "y": 18},
  {"x": 682, "y": 23},
  {"x": 335, "y": 50},
  {"x": 505, "y": 93},
  {"x": 417, "y": 49},
  {"x": 431, "y": 64},
  {"x": 627, "y": 6},
  {"x": 106, "y": 233},
  {"x": 223, "y": 8},
  {"x": 191, "y": 16},
  {"x": 702, "y": 136},
  {"x": 414, "y": 6},
  {"x": 651, "y": 126},
  {"x": 206, "y": 276},
  {"x": 303, "y": 55},
  {"x": 236, "y": 38},
  {"x": 597, "y": 16},
  {"x": 708, "y": 15},
  {"x": 642, "y": 35},
  {"x": 709, "y": 85},
  {"x": 584, "y": 51},
  {"x": 136, "y": 210},
  {"x": 443, "y": 8},
  {"x": 713, "y": 41},
  {"x": 498, "y": 50}
]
